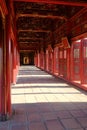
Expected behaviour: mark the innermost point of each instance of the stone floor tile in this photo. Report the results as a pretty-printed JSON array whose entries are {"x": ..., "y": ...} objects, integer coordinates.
[
  {"x": 71, "y": 106},
  {"x": 70, "y": 123},
  {"x": 44, "y": 102},
  {"x": 19, "y": 127},
  {"x": 37, "y": 126},
  {"x": 49, "y": 116},
  {"x": 18, "y": 119},
  {"x": 83, "y": 121},
  {"x": 45, "y": 108},
  {"x": 78, "y": 113},
  {"x": 5, "y": 124},
  {"x": 54, "y": 125},
  {"x": 59, "y": 106},
  {"x": 78, "y": 129},
  {"x": 85, "y": 111},
  {"x": 4, "y": 128},
  {"x": 31, "y": 108},
  {"x": 34, "y": 117},
  {"x": 63, "y": 114}
]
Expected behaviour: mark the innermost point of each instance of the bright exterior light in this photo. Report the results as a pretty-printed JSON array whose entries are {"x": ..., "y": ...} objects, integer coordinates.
[
  {"x": 78, "y": 41},
  {"x": 85, "y": 38},
  {"x": 45, "y": 76}
]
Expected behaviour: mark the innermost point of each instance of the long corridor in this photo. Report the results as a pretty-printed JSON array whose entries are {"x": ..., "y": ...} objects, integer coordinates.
[{"x": 44, "y": 102}]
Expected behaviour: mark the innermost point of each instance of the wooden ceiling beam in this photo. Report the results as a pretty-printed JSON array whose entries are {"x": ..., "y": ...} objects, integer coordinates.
[
  {"x": 58, "y": 2},
  {"x": 41, "y": 16},
  {"x": 30, "y": 30},
  {"x": 27, "y": 50},
  {"x": 28, "y": 38},
  {"x": 29, "y": 43}
]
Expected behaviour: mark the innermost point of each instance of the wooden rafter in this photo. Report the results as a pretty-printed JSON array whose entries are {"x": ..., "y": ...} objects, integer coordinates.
[
  {"x": 58, "y": 2},
  {"x": 26, "y": 50},
  {"x": 21, "y": 43},
  {"x": 41, "y": 16},
  {"x": 29, "y": 38},
  {"x": 30, "y": 30}
]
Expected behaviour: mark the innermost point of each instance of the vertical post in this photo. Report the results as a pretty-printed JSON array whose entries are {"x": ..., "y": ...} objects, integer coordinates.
[
  {"x": 82, "y": 62},
  {"x": 45, "y": 60},
  {"x": 53, "y": 62},
  {"x": 8, "y": 64},
  {"x": 14, "y": 63},
  {"x": 68, "y": 64},
  {"x": 3, "y": 110}
]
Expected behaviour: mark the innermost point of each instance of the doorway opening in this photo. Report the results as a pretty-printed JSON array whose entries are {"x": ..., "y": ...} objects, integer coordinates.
[{"x": 27, "y": 58}]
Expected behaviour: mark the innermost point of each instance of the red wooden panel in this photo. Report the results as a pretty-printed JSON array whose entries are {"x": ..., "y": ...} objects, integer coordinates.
[
  {"x": 46, "y": 60},
  {"x": 76, "y": 61},
  {"x": 42, "y": 59},
  {"x": 38, "y": 59},
  {"x": 56, "y": 64},
  {"x": 49, "y": 59},
  {"x": 65, "y": 64},
  {"x": 61, "y": 62},
  {"x": 50, "y": 65},
  {"x": 84, "y": 61}
]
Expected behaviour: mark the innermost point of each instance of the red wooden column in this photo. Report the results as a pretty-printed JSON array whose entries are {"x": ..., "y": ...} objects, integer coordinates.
[
  {"x": 35, "y": 59},
  {"x": 53, "y": 61},
  {"x": 56, "y": 59},
  {"x": 8, "y": 64},
  {"x": 47, "y": 60},
  {"x": 38, "y": 59},
  {"x": 68, "y": 63},
  {"x": 14, "y": 63},
  {"x": 61, "y": 56},
  {"x": 50, "y": 59},
  {"x": 17, "y": 61},
  {"x": 5, "y": 50},
  {"x": 84, "y": 63},
  {"x": 3, "y": 105},
  {"x": 44, "y": 60}
]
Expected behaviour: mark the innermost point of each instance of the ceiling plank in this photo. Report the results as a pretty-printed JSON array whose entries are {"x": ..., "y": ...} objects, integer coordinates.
[
  {"x": 26, "y": 50},
  {"x": 30, "y": 30},
  {"x": 41, "y": 16},
  {"x": 59, "y": 2},
  {"x": 28, "y": 38}
]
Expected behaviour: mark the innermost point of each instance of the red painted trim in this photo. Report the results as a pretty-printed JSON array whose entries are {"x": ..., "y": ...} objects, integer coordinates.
[
  {"x": 80, "y": 37},
  {"x": 3, "y": 7},
  {"x": 82, "y": 11},
  {"x": 56, "y": 2},
  {"x": 41, "y": 16}
]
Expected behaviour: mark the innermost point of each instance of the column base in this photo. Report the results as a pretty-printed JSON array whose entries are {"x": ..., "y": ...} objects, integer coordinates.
[{"x": 3, "y": 117}]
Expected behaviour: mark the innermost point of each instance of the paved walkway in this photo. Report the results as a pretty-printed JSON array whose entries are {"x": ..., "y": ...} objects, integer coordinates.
[{"x": 43, "y": 102}]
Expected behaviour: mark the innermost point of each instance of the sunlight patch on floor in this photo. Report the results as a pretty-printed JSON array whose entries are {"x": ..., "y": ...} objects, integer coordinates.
[{"x": 25, "y": 76}]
